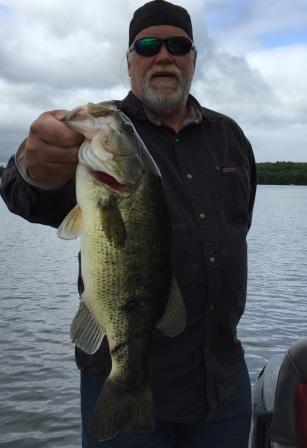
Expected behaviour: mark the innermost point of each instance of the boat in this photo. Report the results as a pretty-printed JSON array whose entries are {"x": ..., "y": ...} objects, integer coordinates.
[{"x": 280, "y": 401}]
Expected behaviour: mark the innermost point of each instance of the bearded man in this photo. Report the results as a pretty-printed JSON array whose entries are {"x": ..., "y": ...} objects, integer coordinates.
[{"x": 199, "y": 379}]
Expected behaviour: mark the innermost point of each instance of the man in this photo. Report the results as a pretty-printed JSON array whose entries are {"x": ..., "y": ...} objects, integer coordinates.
[{"x": 200, "y": 383}]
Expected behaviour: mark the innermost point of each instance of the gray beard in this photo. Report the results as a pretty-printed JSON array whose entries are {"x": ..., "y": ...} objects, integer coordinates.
[{"x": 165, "y": 101}]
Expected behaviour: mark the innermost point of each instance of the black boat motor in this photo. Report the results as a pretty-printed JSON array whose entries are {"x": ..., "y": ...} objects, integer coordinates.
[{"x": 280, "y": 401}]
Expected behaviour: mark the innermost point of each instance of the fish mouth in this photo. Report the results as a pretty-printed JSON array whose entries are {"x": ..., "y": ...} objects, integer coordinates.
[{"x": 110, "y": 181}]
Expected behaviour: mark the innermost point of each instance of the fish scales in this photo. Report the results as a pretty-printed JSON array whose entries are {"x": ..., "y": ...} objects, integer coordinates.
[
  {"x": 136, "y": 271},
  {"x": 122, "y": 219}
]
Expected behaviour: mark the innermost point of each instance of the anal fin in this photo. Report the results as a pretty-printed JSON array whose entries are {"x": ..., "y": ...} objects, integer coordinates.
[{"x": 85, "y": 331}]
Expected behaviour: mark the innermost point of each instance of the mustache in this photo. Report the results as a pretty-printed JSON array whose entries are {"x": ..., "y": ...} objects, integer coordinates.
[{"x": 165, "y": 70}]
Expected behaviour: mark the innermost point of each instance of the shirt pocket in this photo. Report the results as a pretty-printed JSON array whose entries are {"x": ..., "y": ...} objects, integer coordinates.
[{"x": 235, "y": 189}]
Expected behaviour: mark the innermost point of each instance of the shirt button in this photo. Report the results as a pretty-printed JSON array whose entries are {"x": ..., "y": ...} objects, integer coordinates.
[
  {"x": 189, "y": 176},
  {"x": 211, "y": 307},
  {"x": 202, "y": 215},
  {"x": 177, "y": 139},
  {"x": 212, "y": 260}
]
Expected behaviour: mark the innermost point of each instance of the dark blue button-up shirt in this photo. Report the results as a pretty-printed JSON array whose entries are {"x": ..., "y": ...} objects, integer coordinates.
[{"x": 209, "y": 175}]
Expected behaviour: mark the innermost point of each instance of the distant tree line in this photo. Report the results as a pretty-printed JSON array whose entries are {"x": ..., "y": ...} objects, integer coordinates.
[
  {"x": 282, "y": 173},
  {"x": 278, "y": 173}
]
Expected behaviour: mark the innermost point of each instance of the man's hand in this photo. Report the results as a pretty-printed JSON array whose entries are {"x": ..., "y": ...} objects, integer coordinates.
[{"x": 51, "y": 150}]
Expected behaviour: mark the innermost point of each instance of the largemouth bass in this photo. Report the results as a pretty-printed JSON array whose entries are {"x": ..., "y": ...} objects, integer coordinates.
[{"x": 122, "y": 219}]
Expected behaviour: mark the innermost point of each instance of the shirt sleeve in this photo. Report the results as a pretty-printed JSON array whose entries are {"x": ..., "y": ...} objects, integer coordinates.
[
  {"x": 25, "y": 198},
  {"x": 253, "y": 178},
  {"x": 249, "y": 154}
]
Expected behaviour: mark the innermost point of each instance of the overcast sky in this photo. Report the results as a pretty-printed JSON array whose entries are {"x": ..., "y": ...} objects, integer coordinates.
[{"x": 252, "y": 64}]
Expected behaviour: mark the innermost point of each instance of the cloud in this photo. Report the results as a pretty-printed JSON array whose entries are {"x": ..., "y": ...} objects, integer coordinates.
[
  {"x": 240, "y": 27},
  {"x": 59, "y": 54},
  {"x": 256, "y": 72},
  {"x": 64, "y": 47},
  {"x": 283, "y": 69}
]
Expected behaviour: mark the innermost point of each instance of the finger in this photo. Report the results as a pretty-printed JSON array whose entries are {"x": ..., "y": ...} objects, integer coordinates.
[
  {"x": 50, "y": 130},
  {"x": 51, "y": 174},
  {"x": 59, "y": 113},
  {"x": 39, "y": 150},
  {"x": 57, "y": 170}
]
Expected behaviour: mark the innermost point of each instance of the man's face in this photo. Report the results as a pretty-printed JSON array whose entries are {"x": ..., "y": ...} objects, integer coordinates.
[{"x": 162, "y": 82}]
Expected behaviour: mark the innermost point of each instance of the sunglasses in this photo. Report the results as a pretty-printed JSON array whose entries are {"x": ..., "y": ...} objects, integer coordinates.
[{"x": 150, "y": 46}]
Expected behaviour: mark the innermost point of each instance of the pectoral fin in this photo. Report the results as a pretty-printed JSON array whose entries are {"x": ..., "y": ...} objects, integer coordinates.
[
  {"x": 71, "y": 226},
  {"x": 112, "y": 222},
  {"x": 85, "y": 332},
  {"x": 173, "y": 321}
]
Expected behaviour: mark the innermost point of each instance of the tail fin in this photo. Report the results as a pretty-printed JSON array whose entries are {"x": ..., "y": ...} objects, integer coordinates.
[{"x": 120, "y": 410}]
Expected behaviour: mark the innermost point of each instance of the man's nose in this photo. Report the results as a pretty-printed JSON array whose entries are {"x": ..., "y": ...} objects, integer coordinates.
[{"x": 163, "y": 54}]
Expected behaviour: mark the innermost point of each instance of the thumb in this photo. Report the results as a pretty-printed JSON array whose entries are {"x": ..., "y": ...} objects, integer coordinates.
[{"x": 59, "y": 114}]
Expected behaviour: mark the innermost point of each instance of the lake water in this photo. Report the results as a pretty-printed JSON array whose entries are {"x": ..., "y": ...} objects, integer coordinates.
[{"x": 39, "y": 382}]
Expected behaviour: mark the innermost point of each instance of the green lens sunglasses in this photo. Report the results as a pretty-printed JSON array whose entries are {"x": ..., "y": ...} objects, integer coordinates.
[{"x": 150, "y": 46}]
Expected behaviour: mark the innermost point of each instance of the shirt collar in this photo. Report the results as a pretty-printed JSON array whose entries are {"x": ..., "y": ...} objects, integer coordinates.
[{"x": 194, "y": 116}]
